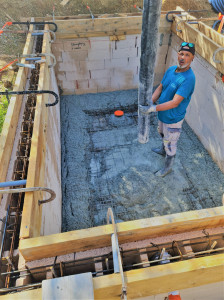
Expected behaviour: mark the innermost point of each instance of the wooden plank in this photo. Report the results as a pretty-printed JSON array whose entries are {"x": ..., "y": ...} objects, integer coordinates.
[
  {"x": 25, "y": 295},
  {"x": 32, "y": 212},
  {"x": 150, "y": 281},
  {"x": 144, "y": 257},
  {"x": 203, "y": 44},
  {"x": 104, "y": 27},
  {"x": 205, "y": 29},
  {"x": 97, "y": 237},
  {"x": 162, "y": 278},
  {"x": 85, "y": 16},
  {"x": 12, "y": 116},
  {"x": 218, "y": 38}
]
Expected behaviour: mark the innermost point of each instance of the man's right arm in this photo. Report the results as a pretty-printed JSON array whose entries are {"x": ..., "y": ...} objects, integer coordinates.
[{"x": 157, "y": 93}]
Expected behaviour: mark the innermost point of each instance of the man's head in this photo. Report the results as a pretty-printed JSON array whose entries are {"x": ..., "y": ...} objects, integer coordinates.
[{"x": 186, "y": 55}]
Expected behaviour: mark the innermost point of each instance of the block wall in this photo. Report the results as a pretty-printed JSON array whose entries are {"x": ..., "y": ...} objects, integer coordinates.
[
  {"x": 205, "y": 113},
  {"x": 98, "y": 64}
]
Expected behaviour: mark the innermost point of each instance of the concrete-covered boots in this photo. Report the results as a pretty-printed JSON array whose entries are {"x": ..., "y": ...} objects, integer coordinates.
[
  {"x": 167, "y": 167},
  {"x": 160, "y": 150}
]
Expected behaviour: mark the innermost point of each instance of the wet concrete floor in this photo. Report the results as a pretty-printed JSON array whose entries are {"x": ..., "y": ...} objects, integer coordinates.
[{"x": 103, "y": 165}]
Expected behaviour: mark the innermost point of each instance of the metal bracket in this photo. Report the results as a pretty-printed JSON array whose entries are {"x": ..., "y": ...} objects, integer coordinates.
[
  {"x": 41, "y": 32},
  {"x": 181, "y": 11},
  {"x": 29, "y": 66},
  {"x": 31, "y": 189},
  {"x": 215, "y": 53},
  {"x": 36, "y": 55},
  {"x": 37, "y": 23},
  {"x": 34, "y": 92}
]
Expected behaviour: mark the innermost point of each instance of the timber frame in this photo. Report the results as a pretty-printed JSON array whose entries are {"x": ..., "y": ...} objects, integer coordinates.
[{"x": 178, "y": 275}]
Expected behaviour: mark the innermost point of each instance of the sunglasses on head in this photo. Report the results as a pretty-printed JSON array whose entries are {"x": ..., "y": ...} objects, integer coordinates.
[{"x": 191, "y": 45}]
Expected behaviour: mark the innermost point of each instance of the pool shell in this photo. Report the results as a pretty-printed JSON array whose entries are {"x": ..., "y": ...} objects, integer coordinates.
[{"x": 103, "y": 165}]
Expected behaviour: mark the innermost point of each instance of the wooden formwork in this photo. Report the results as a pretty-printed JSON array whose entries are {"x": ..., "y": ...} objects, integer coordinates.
[
  {"x": 12, "y": 116},
  {"x": 179, "y": 275}
]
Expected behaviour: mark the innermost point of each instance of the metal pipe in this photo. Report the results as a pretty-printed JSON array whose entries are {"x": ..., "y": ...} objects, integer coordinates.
[
  {"x": 111, "y": 215},
  {"x": 12, "y": 183},
  {"x": 41, "y": 32},
  {"x": 115, "y": 254},
  {"x": 149, "y": 38},
  {"x": 32, "y": 58},
  {"x": 28, "y": 286},
  {"x": 30, "y": 66},
  {"x": 180, "y": 12},
  {"x": 38, "y": 23},
  {"x": 41, "y": 54},
  {"x": 33, "y": 92},
  {"x": 37, "y": 33},
  {"x": 31, "y": 189}
]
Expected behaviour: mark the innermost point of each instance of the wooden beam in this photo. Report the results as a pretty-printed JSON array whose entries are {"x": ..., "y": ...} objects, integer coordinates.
[
  {"x": 150, "y": 281},
  {"x": 97, "y": 237},
  {"x": 12, "y": 116},
  {"x": 86, "y": 16},
  {"x": 218, "y": 38},
  {"x": 162, "y": 278},
  {"x": 106, "y": 26},
  {"x": 204, "y": 45},
  {"x": 32, "y": 212},
  {"x": 35, "y": 294}
]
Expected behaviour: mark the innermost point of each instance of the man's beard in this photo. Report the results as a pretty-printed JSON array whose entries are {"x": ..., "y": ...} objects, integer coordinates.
[{"x": 182, "y": 66}]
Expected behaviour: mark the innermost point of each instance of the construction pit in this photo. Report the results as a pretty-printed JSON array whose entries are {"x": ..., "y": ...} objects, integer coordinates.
[{"x": 92, "y": 161}]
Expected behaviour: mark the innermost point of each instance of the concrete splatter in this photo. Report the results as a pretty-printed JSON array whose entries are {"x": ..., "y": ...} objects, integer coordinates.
[{"x": 103, "y": 165}]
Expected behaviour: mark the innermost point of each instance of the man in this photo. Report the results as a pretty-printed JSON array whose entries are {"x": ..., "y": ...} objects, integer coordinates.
[{"x": 174, "y": 94}]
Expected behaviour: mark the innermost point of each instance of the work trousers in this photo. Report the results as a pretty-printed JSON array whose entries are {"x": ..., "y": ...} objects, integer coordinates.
[{"x": 170, "y": 134}]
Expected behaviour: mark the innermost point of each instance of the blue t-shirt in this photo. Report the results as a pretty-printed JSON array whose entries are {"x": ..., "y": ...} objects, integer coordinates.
[{"x": 176, "y": 83}]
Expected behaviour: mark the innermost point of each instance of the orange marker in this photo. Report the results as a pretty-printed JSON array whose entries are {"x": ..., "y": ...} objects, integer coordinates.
[
  {"x": 221, "y": 17},
  {"x": 118, "y": 113}
]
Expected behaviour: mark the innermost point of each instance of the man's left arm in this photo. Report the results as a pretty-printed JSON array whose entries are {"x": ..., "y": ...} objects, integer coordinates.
[
  {"x": 170, "y": 104},
  {"x": 164, "y": 106}
]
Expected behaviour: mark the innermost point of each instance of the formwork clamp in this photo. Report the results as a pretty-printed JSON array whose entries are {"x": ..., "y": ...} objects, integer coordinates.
[
  {"x": 41, "y": 32},
  {"x": 28, "y": 23},
  {"x": 31, "y": 189},
  {"x": 215, "y": 53},
  {"x": 179, "y": 13},
  {"x": 7, "y": 93},
  {"x": 37, "y": 57}
]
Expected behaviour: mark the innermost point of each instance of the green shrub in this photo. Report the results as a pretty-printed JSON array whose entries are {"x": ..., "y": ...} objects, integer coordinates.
[{"x": 3, "y": 111}]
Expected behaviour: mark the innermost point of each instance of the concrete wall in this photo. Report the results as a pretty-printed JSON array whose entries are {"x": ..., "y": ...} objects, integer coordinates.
[
  {"x": 205, "y": 114},
  {"x": 98, "y": 64}
]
